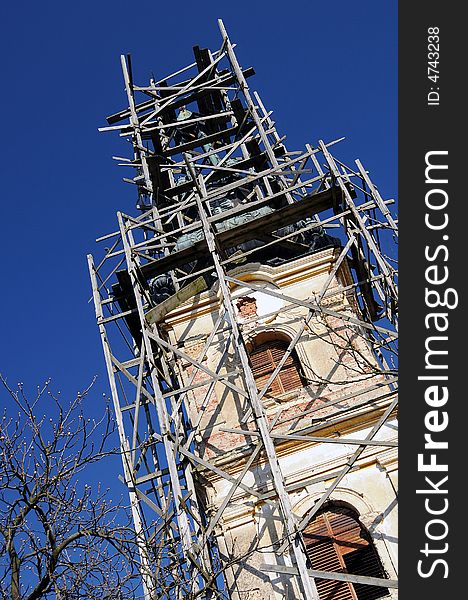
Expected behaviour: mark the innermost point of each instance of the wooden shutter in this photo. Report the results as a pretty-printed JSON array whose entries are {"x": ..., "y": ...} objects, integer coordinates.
[
  {"x": 323, "y": 556},
  {"x": 264, "y": 360},
  {"x": 336, "y": 541}
]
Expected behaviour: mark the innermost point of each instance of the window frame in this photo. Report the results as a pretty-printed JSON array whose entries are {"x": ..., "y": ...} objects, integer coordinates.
[
  {"x": 328, "y": 538},
  {"x": 280, "y": 385}
]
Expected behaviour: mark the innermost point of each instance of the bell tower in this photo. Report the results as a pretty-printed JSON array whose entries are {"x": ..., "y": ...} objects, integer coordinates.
[{"x": 248, "y": 320}]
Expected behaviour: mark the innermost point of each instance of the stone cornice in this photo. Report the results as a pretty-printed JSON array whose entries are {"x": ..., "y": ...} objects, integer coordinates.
[
  {"x": 282, "y": 276},
  {"x": 361, "y": 418}
]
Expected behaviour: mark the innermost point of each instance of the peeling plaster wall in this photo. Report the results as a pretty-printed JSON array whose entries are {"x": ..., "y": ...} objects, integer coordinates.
[{"x": 340, "y": 366}]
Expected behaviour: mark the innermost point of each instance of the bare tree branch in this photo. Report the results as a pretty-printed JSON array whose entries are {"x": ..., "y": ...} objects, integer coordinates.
[{"x": 59, "y": 537}]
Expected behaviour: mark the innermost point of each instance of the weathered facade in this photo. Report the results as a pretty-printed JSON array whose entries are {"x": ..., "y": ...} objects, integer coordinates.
[{"x": 341, "y": 393}]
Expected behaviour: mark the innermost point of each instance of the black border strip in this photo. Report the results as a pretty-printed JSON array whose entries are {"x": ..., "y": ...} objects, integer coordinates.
[{"x": 432, "y": 123}]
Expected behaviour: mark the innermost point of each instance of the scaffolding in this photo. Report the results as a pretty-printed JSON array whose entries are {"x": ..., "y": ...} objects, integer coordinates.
[{"x": 218, "y": 189}]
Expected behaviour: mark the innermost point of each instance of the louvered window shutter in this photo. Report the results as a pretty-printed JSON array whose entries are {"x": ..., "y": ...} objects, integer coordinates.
[
  {"x": 336, "y": 541},
  {"x": 264, "y": 360}
]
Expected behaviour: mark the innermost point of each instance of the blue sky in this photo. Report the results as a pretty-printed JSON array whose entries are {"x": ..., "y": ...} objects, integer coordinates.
[{"x": 326, "y": 70}]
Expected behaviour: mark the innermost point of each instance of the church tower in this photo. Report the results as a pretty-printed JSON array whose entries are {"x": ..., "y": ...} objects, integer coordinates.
[{"x": 248, "y": 318}]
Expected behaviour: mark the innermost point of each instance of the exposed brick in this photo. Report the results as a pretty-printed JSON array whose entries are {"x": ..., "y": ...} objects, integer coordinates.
[
  {"x": 194, "y": 347},
  {"x": 247, "y": 307}
]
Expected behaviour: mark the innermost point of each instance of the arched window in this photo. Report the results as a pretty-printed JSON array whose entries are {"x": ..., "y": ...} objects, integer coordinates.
[
  {"x": 336, "y": 541},
  {"x": 265, "y": 357}
]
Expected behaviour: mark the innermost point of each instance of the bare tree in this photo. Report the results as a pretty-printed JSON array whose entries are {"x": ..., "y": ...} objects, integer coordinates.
[{"x": 60, "y": 538}]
